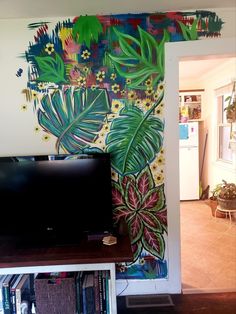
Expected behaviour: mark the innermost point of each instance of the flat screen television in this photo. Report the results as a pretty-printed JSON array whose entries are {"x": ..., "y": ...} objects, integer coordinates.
[{"x": 55, "y": 199}]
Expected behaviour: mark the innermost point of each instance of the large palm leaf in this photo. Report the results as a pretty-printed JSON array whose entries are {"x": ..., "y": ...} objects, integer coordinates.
[
  {"x": 134, "y": 140},
  {"x": 74, "y": 116}
]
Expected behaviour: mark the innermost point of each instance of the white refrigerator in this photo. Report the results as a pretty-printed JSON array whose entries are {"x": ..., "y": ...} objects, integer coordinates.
[{"x": 189, "y": 160}]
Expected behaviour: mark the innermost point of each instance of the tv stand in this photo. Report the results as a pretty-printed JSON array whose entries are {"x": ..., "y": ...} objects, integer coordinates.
[{"x": 87, "y": 256}]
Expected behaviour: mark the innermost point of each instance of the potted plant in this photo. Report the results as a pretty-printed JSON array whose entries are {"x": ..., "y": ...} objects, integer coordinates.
[
  {"x": 226, "y": 197},
  {"x": 231, "y": 107},
  {"x": 213, "y": 202}
]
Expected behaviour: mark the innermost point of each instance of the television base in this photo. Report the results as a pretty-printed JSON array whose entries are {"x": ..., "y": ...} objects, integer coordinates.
[{"x": 97, "y": 236}]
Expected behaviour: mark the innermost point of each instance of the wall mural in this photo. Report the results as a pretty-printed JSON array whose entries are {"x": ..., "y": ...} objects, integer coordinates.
[{"x": 97, "y": 84}]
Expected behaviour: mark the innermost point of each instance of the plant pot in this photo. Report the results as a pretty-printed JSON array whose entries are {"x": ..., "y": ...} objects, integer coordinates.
[
  {"x": 227, "y": 204},
  {"x": 213, "y": 204}
]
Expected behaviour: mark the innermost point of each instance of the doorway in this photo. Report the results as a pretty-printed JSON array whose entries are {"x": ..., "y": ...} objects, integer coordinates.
[
  {"x": 204, "y": 49},
  {"x": 208, "y": 262}
]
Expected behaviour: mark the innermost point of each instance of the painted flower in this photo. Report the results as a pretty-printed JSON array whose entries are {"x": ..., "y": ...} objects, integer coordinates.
[
  {"x": 85, "y": 54},
  {"x": 138, "y": 102},
  {"x": 49, "y": 48},
  {"x": 115, "y": 88},
  {"x": 46, "y": 138},
  {"x": 100, "y": 76},
  {"x": 116, "y": 105},
  {"x": 149, "y": 91},
  {"x": 34, "y": 94},
  {"x": 159, "y": 111},
  {"x": 86, "y": 70},
  {"x": 123, "y": 92},
  {"x": 81, "y": 81},
  {"x": 141, "y": 204},
  {"x": 93, "y": 87},
  {"x": 113, "y": 76},
  {"x": 24, "y": 107},
  {"x": 160, "y": 87},
  {"x": 147, "y": 103},
  {"x": 148, "y": 82},
  {"x": 41, "y": 85},
  {"x": 156, "y": 95},
  {"x": 159, "y": 178},
  {"x": 161, "y": 160},
  {"x": 141, "y": 261},
  {"x": 36, "y": 129},
  {"x": 128, "y": 81},
  {"x": 132, "y": 95}
]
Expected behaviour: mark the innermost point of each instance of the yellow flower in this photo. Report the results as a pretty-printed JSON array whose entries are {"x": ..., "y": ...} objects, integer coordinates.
[
  {"x": 115, "y": 88},
  {"x": 36, "y": 129},
  {"x": 46, "y": 138},
  {"x": 86, "y": 70},
  {"x": 148, "y": 82},
  {"x": 49, "y": 48},
  {"x": 93, "y": 87},
  {"x": 85, "y": 54},
  {"x": 100, "y": 76},
  {"x": 123, "y": 92},
  {"x": 159, "y": 111},
  {"x": 81, "y": 81},
  {"x": 149, "y": 91},
  {"x": 160, "y": 87},
  {"x": 114, "y": 176},
  {"x": 24, "y": 107},
  {"x": 138, "y": 102},
  {"x": 113, "y": 76},
  {"x": 147, "y": 103},
  {"x": 116, "y": 105},
  {"x": 132, "y": 95},
  {"x": 161, "y": 160},
  {"x": 159, "y": 178},
  {"x": 41, "y": 85},
  {"x": 156, "y": 95},
  {"x": 141, "y": 261},
  {"x": 154, "y": 167},
  {"x": 34, "y": 94},
  {"x": 128, "y": 81}
]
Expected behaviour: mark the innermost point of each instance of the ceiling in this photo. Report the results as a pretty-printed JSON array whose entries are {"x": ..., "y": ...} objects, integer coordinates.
[
  {"x": 195, "y": 69},
  {"x": 56, "y": 8}
]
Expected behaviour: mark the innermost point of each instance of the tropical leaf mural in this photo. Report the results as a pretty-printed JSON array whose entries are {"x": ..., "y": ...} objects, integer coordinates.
[
  {"x": 74, "y": 116},
  {"x": 142, "y": 205},
  {"x": 97, "y": 85},
  {"x": 140, "y": 59},
  {"x": 130, "y": 140}
]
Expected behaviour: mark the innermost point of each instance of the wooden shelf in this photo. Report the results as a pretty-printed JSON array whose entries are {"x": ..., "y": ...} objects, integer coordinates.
[{"x": 84, "y": 253}]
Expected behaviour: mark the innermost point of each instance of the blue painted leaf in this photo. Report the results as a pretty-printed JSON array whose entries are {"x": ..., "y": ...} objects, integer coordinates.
[{"x": 74, "y": 116}]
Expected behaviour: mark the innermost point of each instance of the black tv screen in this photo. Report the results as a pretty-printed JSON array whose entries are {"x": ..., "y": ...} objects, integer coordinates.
[{"x": 55, "y": 198}]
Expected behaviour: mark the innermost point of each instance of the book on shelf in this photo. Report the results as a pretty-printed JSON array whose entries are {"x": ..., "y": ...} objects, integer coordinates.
[
  {"x": 6, "y": 294},
  {"x": 13, "y": 284},
  {"x": 2, "y": 277},
  {"x": 88, "y": 294},
  {"x": 22, "y": 292}
]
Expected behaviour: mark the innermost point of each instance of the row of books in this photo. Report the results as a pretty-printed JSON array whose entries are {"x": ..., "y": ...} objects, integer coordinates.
[
  {"x": 15, "y": 293},
  {"x": 93, "y": 292}
]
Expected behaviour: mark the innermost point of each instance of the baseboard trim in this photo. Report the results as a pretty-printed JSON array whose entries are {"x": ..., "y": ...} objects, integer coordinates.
[{"x": 208, "y": 290}]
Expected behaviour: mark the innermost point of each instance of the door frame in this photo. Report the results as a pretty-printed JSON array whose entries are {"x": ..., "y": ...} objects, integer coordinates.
[{"x": 174, "y": 53}]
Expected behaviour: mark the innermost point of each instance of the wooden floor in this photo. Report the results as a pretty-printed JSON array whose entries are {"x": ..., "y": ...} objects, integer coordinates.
[
  {"x": 208, "y": 250},
  {"x": 208, "y": 303}
]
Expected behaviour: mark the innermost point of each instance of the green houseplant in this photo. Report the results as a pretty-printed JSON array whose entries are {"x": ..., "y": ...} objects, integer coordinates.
[
  {"x": 213, "y": 202},
  {"x": 226, "y": 197},
  {"x": 231, "y": 106}
]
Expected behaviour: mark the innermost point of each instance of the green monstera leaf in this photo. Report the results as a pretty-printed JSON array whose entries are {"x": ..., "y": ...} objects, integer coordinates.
[
  {"x": 134, "y": 140},
  {"x": 74, "y": 116},
  {"x": 140, "y": 59}
]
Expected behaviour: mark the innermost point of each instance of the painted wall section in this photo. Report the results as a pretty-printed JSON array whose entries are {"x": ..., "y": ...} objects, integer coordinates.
[{"x": 95, "y": 83}]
